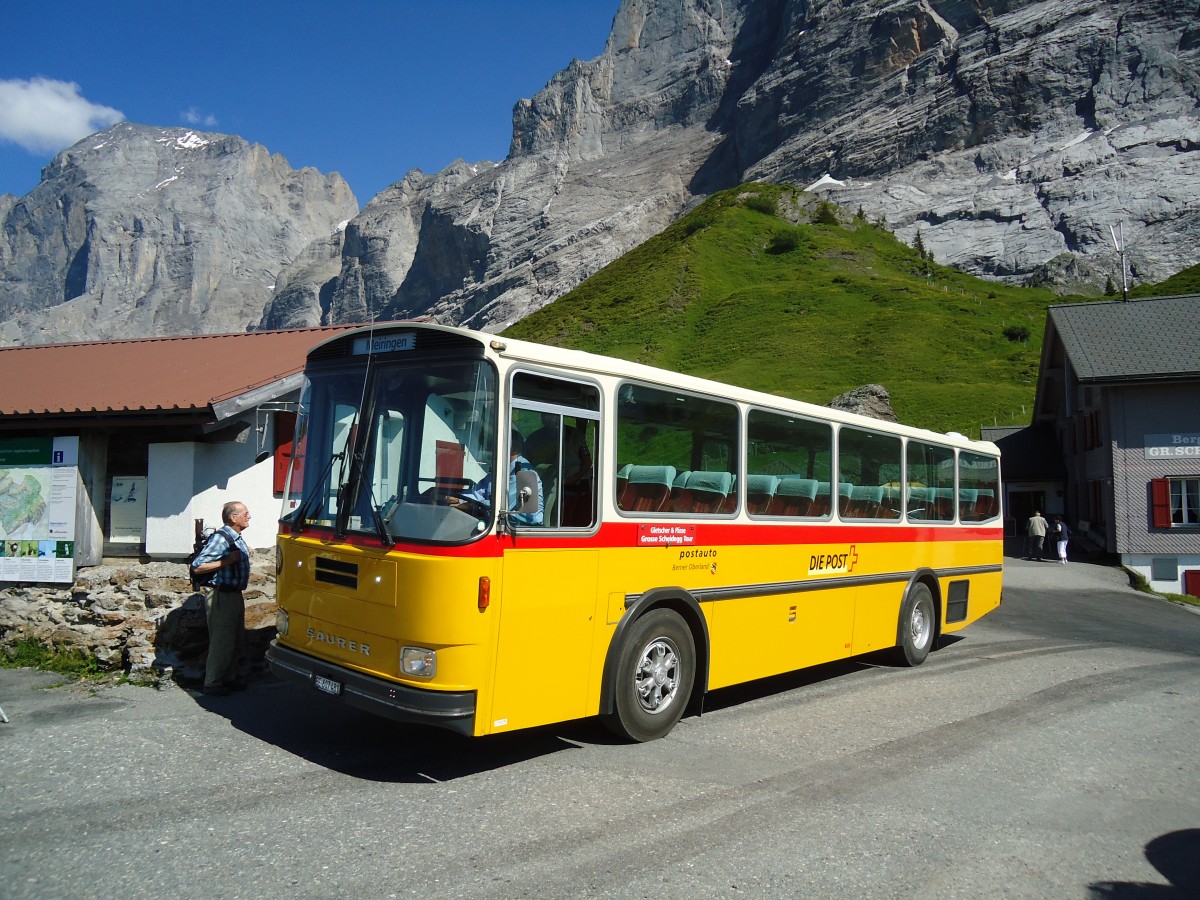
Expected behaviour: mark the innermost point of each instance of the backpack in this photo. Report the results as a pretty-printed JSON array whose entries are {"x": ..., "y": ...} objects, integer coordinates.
[{"x": 203, "y": 535}]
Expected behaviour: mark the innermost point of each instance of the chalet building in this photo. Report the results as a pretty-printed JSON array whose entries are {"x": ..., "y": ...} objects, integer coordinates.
[
  {"x": 116, "y": 448},
  {"x": 1119, "y": 392}
]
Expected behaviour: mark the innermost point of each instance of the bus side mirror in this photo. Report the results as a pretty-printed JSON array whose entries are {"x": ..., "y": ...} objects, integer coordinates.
[{"x": 527, "y": 492}]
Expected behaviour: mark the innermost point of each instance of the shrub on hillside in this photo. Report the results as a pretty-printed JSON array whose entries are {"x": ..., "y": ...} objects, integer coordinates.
[
  {"x": 784, "y": 241},
  {"x": 826, "y": 214},
  {"x": 762, "y": 203}
]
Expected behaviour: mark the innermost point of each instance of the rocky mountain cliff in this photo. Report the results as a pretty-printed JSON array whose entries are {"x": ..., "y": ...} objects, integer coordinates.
[
  {"x": 140, "y": 231},
  {"x": 1010, "y": 133}
]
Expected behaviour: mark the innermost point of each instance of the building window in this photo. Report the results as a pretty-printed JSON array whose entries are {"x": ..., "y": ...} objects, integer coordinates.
[{"x": 1175, "y": 502}]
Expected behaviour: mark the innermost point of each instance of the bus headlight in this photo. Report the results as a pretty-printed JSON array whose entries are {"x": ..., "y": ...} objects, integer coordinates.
[
  {"x": 281, "y": 621},
  {"x": 418, "y": 661}
]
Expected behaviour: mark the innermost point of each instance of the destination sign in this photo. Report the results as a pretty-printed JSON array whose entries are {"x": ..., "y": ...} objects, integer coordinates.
[{"x": 385, "y": 343}]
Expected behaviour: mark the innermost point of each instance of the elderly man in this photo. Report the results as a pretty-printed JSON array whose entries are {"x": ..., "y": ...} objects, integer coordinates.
[
  {"x": 226, "y": 555},
  {"x": 1036, "y": 531}
]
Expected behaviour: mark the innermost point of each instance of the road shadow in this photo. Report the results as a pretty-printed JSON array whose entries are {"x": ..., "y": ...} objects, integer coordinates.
[
  {"x": 723, "y": 698},
  {"x": 345, "y": 739},
  {"x": 361, "y": 745},
  {"x": 1176, "y": 855}
]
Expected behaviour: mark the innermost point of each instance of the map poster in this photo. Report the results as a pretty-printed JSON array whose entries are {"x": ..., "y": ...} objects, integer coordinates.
[{"x": 38, "y": 488}]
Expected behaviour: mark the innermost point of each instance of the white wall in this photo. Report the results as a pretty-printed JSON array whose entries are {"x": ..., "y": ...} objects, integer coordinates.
[
  {"x": 1143, "y": 564},
  {"x": 170, "y": 475},
  {"x": 189, "y": 481}
]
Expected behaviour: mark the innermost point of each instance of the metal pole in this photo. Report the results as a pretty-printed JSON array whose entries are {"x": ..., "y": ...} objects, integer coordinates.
[
  {"x": 1124, "y": 281},
  {"x": 1120, "y": 245}
]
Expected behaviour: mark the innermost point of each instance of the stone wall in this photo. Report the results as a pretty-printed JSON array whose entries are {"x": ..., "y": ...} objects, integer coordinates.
[{"x": 140, "y": 618}]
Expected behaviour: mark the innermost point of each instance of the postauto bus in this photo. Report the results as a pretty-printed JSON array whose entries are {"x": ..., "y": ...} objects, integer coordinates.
[{"x": 651, "y": 536}]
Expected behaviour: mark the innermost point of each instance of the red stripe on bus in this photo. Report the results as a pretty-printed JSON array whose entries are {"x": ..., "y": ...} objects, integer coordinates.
[{"x": 623, "y": 534}]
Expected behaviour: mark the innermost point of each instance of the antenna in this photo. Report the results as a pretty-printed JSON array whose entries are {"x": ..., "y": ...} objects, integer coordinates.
[{"x": 1120, "y": 245}]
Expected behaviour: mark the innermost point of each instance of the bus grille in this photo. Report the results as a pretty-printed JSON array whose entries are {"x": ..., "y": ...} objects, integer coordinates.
[
  {"x": 956, "y": 601},
  {"x": 336, "y": 571}
]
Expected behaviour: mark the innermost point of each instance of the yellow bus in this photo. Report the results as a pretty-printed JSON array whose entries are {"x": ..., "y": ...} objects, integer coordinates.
[{"x": 654, "y": 536}]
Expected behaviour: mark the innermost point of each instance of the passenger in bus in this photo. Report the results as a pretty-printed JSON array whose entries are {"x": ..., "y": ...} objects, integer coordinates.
[
  {"x": 482, "y": 493},
  {"x": 569, "y": 492}
]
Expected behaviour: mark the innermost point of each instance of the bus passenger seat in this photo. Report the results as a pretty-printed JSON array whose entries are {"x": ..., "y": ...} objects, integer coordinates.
[
  {"x": 704, "y": 492},
  {"x": 865, "y": 502},
  {"x": 795, "y": 497},
  {"x": 822, "y": 504},
  {"x": 845, "y": 492},
  {"x": 943, "y": 503},
  {"x": 985, "y": 505},
  {"x": 677, "y": 489},
  {"x": 918, "y": 500},
  {"x": 648, "y": 489},
  {"x": 760, "y": 491},
  {"x": 623, "y": 478},
  {"x": 967, "y": 500}
]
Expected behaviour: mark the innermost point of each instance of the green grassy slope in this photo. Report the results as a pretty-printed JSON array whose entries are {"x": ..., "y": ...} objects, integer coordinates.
[
  {"x": 734, "y": 291},
  {"x": 1185, "y": 282}
]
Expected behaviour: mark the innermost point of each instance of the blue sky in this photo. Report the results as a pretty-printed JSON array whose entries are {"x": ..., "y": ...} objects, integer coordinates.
[{"x": 367, "y": 88}]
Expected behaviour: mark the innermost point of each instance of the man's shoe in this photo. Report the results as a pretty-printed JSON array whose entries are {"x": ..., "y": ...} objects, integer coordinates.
[
  {"x": 217, "y": 690},
  {"x": 238, "y": 685}
]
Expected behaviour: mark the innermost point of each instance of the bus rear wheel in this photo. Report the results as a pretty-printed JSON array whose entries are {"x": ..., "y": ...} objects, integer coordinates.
[
  {"x": 918, "y": 623},
  {"x": 655, "y": 670}
]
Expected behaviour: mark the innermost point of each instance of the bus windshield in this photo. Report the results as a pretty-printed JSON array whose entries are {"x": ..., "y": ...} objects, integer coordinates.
[{"x": 389, "y": 451}]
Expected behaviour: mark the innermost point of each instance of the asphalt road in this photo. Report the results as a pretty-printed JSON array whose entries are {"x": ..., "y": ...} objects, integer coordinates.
[{"x": 1050, "y": 751}]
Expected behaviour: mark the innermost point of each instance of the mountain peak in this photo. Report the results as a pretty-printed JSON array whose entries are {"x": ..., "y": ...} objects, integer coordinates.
[{"x": 140, "y": 230}]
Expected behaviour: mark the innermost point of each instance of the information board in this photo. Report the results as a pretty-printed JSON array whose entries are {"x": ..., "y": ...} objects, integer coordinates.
[{"x": 39, "y": 480}]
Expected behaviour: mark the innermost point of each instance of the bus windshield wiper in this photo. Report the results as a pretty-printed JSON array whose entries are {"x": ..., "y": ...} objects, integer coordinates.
[
  {"x": 296, "y": 518},
  {"x": 381, "y": 526}
]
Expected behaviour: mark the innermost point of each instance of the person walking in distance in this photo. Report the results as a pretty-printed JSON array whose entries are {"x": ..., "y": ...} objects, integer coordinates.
[
  {"x": 226, "y": 555},
  {"x": 1036, "y": 530},
  {"x": 1062, "y": 537}
]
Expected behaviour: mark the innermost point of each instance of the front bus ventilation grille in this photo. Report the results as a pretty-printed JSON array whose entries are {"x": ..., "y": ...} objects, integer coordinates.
[{"x": 335, "y": 571}]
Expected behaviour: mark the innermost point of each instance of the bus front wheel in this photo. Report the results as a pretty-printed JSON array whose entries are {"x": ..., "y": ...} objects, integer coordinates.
[
  {"x": 918, "y": 623},
  {"x": 653, "y": 682}
]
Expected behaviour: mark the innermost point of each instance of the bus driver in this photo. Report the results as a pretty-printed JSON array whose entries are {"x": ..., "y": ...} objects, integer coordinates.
[{"x": 481, "y": 494}]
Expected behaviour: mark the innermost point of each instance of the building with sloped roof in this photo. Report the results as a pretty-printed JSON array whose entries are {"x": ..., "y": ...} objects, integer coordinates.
[
  {"x": 162, "y": 431},
  {"x": 1119, "y": 387}
]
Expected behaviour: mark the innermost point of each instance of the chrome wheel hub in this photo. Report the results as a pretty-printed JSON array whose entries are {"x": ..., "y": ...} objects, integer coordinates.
[{"x": 657, "y": 677}]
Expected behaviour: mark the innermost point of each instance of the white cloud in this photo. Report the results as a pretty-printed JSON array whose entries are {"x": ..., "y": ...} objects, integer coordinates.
[
  {"x": 43, "y": 115},
  {"x": 193, "y": 116}
]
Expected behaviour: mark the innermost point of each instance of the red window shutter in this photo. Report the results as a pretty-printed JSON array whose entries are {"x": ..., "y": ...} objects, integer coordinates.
[
  {"x": 1160, "y": 502},
  {"x": 285, "y": 432}
]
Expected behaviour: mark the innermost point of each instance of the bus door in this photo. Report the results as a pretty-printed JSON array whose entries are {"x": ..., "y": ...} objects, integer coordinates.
[{"x": 548, "y": 582}]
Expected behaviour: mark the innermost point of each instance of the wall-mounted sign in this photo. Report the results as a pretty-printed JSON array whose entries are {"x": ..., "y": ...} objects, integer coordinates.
[
  {"x": 127, "y": 510},
  {"x": 1173, "y": 446},
  {"x": 38, "y": 487}
]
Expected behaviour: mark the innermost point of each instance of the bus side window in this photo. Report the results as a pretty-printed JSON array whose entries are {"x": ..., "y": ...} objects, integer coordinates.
[
  {"x": 929, "y": 482},
  {"x": 578, "y": 482},
  {"x": 978, "y": 487},
  {"x": 869, "y": 464},
  {"x": 676, "y": 452},
  {"x": 787, "y": 459},
  {"x": 560, "y": 443}
]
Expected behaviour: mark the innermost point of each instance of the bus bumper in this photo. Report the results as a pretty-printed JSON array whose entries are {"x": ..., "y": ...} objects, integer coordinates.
[{"x": 454, "y": 710}]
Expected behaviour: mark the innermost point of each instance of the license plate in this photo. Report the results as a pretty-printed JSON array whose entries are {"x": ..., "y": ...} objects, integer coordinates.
[{"x": 328, "y": 685}]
